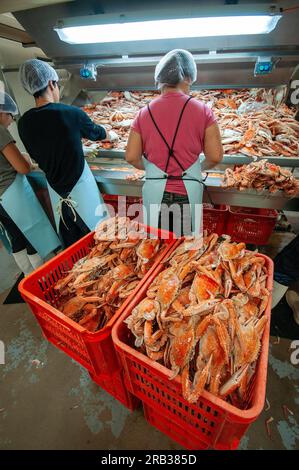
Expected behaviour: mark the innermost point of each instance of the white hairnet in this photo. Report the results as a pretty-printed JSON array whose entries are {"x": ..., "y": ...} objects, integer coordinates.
[
  {"x": 36, "y": 74},
  {"x": 7, "y": 104},
  {"x": 176, "y": 66}
]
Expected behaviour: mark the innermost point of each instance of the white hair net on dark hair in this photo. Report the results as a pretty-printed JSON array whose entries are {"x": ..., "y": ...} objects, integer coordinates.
[
  {"x": 175, "y": 67},
  {"x": 7, "y": 104},
  {"x": 35, "y": 75}
]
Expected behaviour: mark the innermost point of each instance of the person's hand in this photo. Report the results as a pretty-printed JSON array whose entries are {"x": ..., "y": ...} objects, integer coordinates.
[
  {"x": 26, "y": 156},
  {"x": 112, "y": 136},
  {"x": 91, "y": 151},
  {"x": 33, "y": 165}
]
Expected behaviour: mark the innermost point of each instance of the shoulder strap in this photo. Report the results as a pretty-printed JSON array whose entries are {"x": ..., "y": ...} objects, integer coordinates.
[
  {"x": 170, "y": 153},
  {"x": 170, "y": 149},
  {"x": 179, "y": 121},
  {"x": 156, "y": 126}
]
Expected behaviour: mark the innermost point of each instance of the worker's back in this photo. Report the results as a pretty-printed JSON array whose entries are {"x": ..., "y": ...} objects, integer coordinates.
[{"x": 52, "y": 136}]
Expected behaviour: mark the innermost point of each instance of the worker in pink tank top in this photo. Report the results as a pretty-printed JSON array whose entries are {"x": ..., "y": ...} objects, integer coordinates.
[{"x": 166, "y": 139}]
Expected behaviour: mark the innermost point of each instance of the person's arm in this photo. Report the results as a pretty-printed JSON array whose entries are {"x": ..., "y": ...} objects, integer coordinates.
[
  {"x": 23, "y": 135},
  {"x": 90, "y": 130},
  {"x": 16, "y": 159},
  {"x": 134, "y": 150},
  {"x": 33, "y": 165},
  {"x": 213, "y": 149}
]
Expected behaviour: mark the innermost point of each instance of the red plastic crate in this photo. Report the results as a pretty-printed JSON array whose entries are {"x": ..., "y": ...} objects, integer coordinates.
[
  {"x": 214, "y": 218},
  {"x": 94, "y": 351},
  {"x": 211, "y": 422},
  {"x": 171, "y": 428},
  {"x": 249, "y": 225},
  {"x": 115, "y": 386},
  {"x": 112, "y": 200}
]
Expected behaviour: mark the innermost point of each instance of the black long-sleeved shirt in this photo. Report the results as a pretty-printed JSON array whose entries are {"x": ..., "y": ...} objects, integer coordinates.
[{"x": 52, "y": 136}]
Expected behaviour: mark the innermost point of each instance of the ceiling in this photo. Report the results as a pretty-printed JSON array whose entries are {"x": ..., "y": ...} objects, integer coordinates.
[
  {"x": 39, "y": 23},
  {"x": 12, "y": 54},
  {"x": 282, "y": 43},
  {"x": 9, "y": 20},
  {"x": 17, "y": 5}
]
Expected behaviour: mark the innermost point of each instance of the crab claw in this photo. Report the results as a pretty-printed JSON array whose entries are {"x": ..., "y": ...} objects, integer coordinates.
[
  {"x": 192, "y": 392},
  {"x": 201, "y": 308},
  {"x": 234, "y": 381},
  {"x": 138, "y": 341}
]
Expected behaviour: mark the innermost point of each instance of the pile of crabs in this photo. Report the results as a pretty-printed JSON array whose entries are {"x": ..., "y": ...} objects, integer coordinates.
[
  {"x": 98, "y": 284},
  {"x": 261, "y": 175},
  {"x": 203, "y": 317},
  {"x": 253, "y": 122}
]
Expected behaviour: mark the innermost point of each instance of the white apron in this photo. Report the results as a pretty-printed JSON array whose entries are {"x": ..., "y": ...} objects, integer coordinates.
[
  {"x": 155, "y": 183},
  {"x": 23, "y": 207},
  {"x": 85, "y": 198}
]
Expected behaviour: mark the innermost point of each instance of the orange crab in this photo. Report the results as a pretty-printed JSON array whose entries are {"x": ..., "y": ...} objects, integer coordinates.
[
  {"x": 214, "y": 344},
  {"x": 203, "y": 288}
]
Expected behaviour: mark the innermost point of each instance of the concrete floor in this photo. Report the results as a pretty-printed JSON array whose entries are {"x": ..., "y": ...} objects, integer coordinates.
[
  {"x": 48, "y": 401},
  {"x": 9, "y": 271}
]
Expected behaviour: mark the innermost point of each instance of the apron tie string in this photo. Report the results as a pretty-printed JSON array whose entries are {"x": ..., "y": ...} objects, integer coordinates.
[
  {"x": 204, "y": 187},
  {"x": 71, "y": 204},
  {"x": 208, "y": 193}
]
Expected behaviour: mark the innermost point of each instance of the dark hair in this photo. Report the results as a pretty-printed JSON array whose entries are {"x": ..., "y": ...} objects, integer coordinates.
[{"x": 41, "y": 92}]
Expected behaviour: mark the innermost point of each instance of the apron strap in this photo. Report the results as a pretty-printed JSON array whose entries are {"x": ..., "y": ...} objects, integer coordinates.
[
  {"x": 207, "y": 191},
  {"x": 170, "y": 149},
  {"x": 192, "y": 179},
  {"x": 188, "y": 179},
  {"x": 71, "y": 204},
  {"x": 179, "y": 121}
]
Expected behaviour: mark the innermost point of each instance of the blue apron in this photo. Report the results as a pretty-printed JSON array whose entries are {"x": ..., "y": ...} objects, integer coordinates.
[
  {"x": 156, "y": 179},
  {"x": 85, "y": 199},
  {"x": 23, "y": 207}
]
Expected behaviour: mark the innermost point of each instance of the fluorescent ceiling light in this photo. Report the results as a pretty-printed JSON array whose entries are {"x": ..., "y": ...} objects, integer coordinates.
[{"x": 169, "y": 29}]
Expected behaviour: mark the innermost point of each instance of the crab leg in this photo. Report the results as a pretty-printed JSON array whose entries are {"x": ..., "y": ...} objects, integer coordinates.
[
  {"x": 201, "y": 308},
  {"x": 191, "y": 393},
  {"x": 234, "y": 382}
]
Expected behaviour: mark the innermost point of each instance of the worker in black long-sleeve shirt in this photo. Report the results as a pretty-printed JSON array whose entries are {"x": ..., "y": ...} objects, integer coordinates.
[{"x": 52, "y": 133}]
